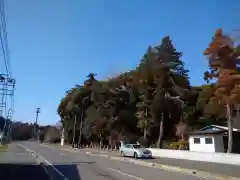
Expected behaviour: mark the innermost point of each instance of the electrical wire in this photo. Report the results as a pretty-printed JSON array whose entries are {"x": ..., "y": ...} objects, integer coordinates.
[
  {"x": 5, "y": 34},
  {"x": 4, "y": 39},
  {"x": 4, "y": 45},
  {"x": 7, "y": 107}
]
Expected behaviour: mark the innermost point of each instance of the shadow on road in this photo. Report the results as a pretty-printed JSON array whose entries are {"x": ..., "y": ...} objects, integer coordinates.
[{"x": 9, "y": 171}]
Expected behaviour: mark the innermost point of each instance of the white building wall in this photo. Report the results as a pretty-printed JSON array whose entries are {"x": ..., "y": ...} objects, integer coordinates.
[{"x": 201, "y": 147}]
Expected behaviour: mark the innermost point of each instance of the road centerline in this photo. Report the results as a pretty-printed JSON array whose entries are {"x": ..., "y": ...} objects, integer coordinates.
[
  {"x": 125, "y": 174},
  {"x": 45, "y": 160},
  {"x": 37, "y": 160}
]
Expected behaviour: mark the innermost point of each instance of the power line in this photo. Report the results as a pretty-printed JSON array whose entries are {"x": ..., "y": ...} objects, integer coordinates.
[
  {"x": 4, "y": 39},
  {"x": 5, "y": 34},
  {"x": 7, "y": 83}
]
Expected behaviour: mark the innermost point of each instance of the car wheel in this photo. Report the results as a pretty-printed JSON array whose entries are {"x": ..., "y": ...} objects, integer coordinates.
[
  {"x": 122, "y": 154},
  {"x": 135, "y": 155}
]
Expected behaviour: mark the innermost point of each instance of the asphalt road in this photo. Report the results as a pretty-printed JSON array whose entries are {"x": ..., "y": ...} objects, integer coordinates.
[
  {"x": 16, "y": 163},
  {"x": 226, "y": 169},
  {"x": 70, "y": 165}
]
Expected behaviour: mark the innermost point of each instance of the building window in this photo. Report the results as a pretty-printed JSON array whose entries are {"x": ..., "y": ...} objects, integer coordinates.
[
  {"x": 196, "y": 140},
  {"x": 208, "y": 140}
]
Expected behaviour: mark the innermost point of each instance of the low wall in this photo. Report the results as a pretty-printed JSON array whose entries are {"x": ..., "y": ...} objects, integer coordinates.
[{"x": 223, "y": 158}]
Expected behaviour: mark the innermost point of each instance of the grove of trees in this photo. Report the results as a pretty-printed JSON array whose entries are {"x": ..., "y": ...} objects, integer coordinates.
[
  {"x": 4, "y": 124},
  {"x": 155, "y": 103},
  {"x": 24, "y": 131}
]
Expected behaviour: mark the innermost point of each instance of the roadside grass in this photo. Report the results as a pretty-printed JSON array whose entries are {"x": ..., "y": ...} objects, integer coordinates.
[{"x": 3, "y": 147}]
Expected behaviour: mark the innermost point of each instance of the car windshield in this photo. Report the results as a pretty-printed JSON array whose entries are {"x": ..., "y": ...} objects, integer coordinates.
[{"x": 136, "y": 146}]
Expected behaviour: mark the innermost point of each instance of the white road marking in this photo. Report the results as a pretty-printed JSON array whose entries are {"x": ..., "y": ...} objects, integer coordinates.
[
  {"x": 46, "y": 145},
  {"x": 59, "y": 172},
  {"x": 46, "y": 161},
  {"x": 39, "y": 162},
  {"x": 123, "y": 173},
  {"x": 65, "y": 149},
  {"x": 75, "y": 150},
  {"x": 45, "y": 169}
]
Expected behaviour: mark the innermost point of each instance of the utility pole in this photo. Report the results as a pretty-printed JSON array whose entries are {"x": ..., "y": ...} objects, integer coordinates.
[
  {"x": 7, "y": 87},
  {"x": 36, "y": 123},
  {"x": 80, "y": 128},
  {"x": 7, "y": 83},
  {"x": 74, "y": 131},
  {"x": 62, "y": 134}
]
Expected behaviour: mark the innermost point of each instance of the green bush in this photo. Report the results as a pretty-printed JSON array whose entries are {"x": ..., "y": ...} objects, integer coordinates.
[{"x": 181, "y": 145}]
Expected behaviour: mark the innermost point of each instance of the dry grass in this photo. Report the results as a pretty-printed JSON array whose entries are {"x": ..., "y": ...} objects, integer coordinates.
[{"x": 3, "y": 147}]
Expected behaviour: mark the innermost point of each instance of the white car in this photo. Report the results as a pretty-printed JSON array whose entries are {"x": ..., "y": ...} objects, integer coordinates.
[{"x": 135, "y": 150}]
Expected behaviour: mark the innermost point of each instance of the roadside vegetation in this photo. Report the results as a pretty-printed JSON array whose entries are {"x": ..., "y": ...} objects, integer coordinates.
[
  {"x": 155, "y": 103},
  {"x": 25, "y": 131},
  {"x": 3, "y": 148}
]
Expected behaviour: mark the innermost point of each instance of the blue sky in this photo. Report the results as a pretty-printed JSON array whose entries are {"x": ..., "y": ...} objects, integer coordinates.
[{"x": 54, "y": 44}]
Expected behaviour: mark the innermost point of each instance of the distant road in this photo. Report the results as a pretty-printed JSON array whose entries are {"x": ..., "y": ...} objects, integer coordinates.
[{"x": 65, "y": 164}]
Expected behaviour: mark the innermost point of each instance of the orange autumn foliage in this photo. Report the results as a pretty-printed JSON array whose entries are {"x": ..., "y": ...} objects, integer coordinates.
[{"x": 223, "y": 65}]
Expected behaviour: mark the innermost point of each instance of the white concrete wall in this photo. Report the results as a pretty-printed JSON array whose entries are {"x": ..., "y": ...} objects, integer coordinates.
[
  {"x": 202, "y": 147},
  {"x": 223, "y": 158}
]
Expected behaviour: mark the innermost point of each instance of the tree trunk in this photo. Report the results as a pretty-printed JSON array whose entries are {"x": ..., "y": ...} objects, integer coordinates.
[
  {"x": 62, "y": 137},
  {"x": 80, "y": 129},
  {"x": 145, "y": 126},
  {"x": 145, "y": 133},
  {"x": 100, "y": 144},
  {"x": 160, "y": 137},
  {"x": 74, "y": 131},
  {"x": 230, "y": 129}
]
